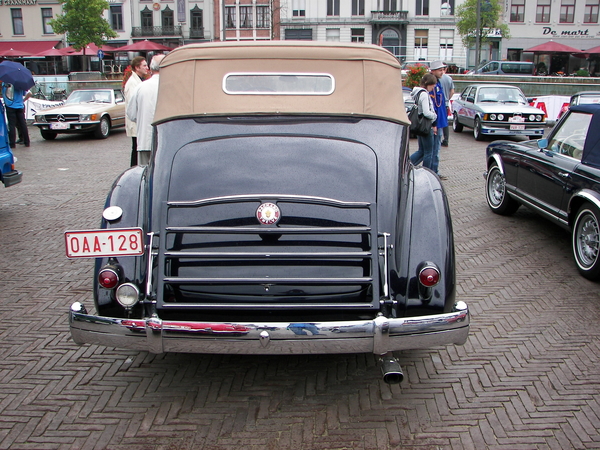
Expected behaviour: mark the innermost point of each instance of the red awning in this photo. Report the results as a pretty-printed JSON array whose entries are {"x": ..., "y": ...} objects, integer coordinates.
[{"x": 33, "y": 47}]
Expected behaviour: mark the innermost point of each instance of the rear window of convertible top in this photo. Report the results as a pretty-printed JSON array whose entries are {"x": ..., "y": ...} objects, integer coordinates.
[{"x": 278, "y": 84}]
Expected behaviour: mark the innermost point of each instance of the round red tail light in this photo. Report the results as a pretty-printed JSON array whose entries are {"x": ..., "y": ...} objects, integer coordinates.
[
  {"x": 108, "y": 278},
  {"x": 429, "y": 276}
]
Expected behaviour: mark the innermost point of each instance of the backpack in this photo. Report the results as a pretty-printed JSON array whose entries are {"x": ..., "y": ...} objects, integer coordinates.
[
  {"x": 9, "y": 92},
  {"x": 419, "y": 124}
]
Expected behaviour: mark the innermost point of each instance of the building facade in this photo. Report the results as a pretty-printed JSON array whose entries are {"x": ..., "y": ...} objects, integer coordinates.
[{"x": 410, "y": 29}]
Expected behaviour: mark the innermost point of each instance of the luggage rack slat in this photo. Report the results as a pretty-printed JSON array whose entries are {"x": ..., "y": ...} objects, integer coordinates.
[
  {"x": 265, "y": 230},
  {"x": 295, "y": 281},
  {"x": 271, "y": 255},
  {"x": 267, "y": 306}
]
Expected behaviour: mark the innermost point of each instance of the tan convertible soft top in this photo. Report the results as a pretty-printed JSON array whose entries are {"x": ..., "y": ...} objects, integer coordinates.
[{"x": 218, "y": 79}]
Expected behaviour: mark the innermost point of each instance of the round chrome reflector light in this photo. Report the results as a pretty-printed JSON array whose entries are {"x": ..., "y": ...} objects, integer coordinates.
[
  {"x": 128, "y": 295},
  {"x": 429, "y": 276},
  {"x": 538, "y": 118},
  {"x": 492, "y": 116},
  {"x": 532, "y": 118},
  {"x": 108, "y": 278},
  {"x": 500, "y": 116}
]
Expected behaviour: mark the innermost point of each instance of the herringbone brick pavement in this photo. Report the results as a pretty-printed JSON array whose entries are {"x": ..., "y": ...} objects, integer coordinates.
[{"x": 528, "y": 377}]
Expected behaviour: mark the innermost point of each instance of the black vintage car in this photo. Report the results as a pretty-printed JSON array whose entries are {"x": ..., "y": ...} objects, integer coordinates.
[
  {"x": 558, "y": 177},
  {"x": 279, "y": 214}
]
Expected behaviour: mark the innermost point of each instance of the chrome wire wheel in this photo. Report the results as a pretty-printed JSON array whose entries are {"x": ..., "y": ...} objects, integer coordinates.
[
  {"x": 497, "y": 198},
  {"x": 496, "y": 187},
  {"x": 586, "y": 242}
]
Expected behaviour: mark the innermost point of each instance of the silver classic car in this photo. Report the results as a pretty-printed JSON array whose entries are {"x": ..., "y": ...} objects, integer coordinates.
[
  {"x": 497, "y": 110},
  {"x": 94, "y": 111}
]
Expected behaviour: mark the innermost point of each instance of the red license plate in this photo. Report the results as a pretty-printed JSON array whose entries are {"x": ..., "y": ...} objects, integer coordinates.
[{"x": 101, "y": 243}]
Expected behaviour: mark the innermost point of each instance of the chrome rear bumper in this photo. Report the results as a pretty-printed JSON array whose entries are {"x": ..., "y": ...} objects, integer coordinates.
[{"x": 379, "y": 336}]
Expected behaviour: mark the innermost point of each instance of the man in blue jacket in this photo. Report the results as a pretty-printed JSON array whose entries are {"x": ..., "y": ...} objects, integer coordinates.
[
  {"x": 14, "y": 101},
  {"x": 439, "y": 105}
]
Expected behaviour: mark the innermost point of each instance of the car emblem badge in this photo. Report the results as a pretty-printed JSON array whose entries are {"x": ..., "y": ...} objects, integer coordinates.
[
  {"x": 60, "y": 118},
  {"x": 268, "y": 214}
]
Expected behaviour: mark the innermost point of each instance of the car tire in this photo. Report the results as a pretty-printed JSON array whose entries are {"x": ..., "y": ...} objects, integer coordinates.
[
  {"x": 48, "y": 135},
  {"x": 499, "y": 201},
  {"x": 103, "y": 130},
  {"x": 586, "y": 241},
  {"x": 456, "y": 125},
  {"x": 477, "y": 130}
]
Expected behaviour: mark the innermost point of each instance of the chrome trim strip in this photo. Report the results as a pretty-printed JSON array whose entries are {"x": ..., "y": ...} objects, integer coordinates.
[
  {"x": 386, "y": 290},
  {"x": 270, "y": 197},
  {"x": 588, "y": 196},
  {"x": 378, "y": 336},
  {"x": 557, "y": 220},
  {"x": 151, "y": 256}
]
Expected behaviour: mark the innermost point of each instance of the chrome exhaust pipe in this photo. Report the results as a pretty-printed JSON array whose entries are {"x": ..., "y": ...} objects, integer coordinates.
[{"x": 391, "y": 370}]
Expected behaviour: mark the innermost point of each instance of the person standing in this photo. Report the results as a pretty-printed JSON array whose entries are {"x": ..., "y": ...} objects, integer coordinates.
[
  {"x": 439, "y": 105},
  {"x": 448, "y": 85},
  {"x": 425, "y": 107},
  {"x": 139, "y": 71},
  {"x": 14, "y": 102},
  {"x": 140, "y": 109}
]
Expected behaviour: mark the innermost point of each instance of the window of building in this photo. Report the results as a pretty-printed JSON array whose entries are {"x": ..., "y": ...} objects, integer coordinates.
[
  {"x": 542, "y": 13},
  {"x": 590, "y": 14},
  {"x": 301, "y": 34},
  {"x": 230, "y": 16},
  {"x": 446, "y": 44},
  {"x": 357, "y": 34},
  {"x": 333, "y": 7},
  {"x": 116, "y": 17},
  {"x": 245, "y": 16},
  {"x": 389, "y": 6},
  {"x": 46, "y": 17},
  {"x": 567, "y": 11},
  {"x": 358, "y": 7},
  {"x": 332, "y": 34},
  {"x": 421, "y": 42},
  {"x": 17, "y": 20},
  {"x": 263, "y": 19},
  {"x": 299, "y": 8},
  {"x": 196, "y": 23},
  {"x": 147, "y": 21},
  {"x": 422, "y": 8},
  {"x": 168, "y": 21},
  {"x": 517, "y": 11}
]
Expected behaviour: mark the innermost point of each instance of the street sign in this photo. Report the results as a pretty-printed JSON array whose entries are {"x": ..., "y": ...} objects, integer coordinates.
[{"x": 100, "y": 54}]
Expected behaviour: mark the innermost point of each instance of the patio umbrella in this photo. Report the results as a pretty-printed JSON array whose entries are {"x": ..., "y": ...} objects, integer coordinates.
[
  {"x": 15, "y": 53},
  {"x": 552, "y": 47},
  {"x": 90, "y": 50},
  {"x": 593, "y": 50},
  {"x": 143, "y": 46},
  {"x": 52, "y": 52},
  {"x": 16, "y": 74}
]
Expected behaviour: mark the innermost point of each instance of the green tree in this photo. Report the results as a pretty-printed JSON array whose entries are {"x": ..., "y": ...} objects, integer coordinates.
[
  {"x": 83, "y": 23},
  {"x": 490, "y": 14}
]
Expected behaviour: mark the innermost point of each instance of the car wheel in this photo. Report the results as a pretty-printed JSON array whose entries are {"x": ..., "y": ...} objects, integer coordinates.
[
  {"x": 48, "y": 135},
  {"x": 497, "y": 198},
  {"x": 103, "y": 129},
  {"x": 456, "y": 125},
  {"x": 477, "y": 130},
  {"x": 586, "y": 241}
]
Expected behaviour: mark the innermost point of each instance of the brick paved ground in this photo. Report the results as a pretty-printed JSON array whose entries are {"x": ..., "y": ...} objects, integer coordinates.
[{"x": 528, "y": 378}]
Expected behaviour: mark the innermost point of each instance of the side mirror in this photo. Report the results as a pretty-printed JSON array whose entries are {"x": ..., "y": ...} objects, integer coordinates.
[{"x": 542, "y": 143}]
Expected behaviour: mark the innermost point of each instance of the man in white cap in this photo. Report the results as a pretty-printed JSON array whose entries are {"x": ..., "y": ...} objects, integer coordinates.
[{"x": 439, "y": 105}]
